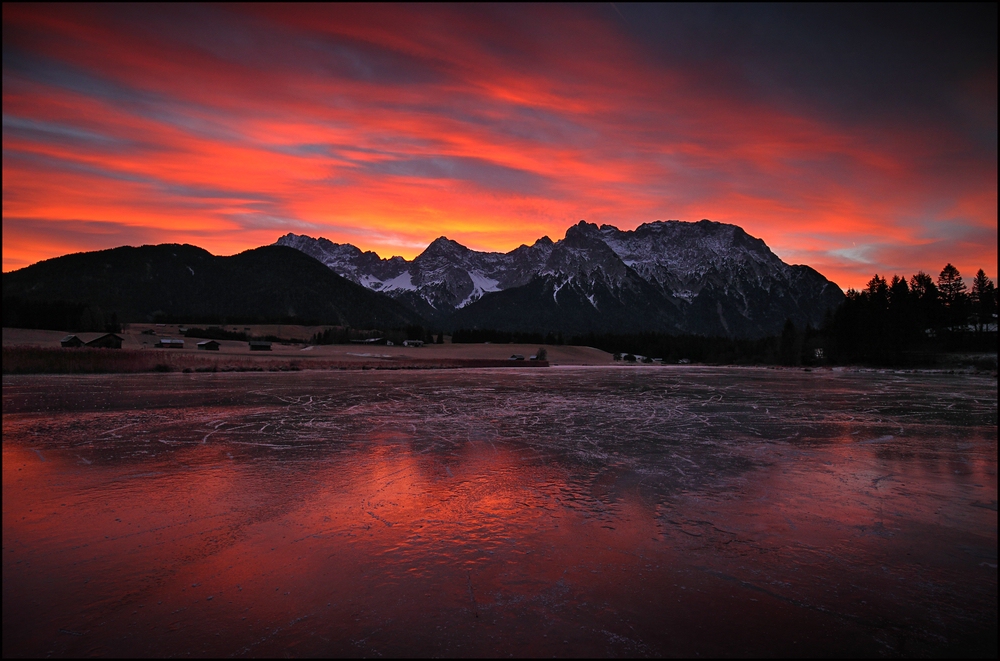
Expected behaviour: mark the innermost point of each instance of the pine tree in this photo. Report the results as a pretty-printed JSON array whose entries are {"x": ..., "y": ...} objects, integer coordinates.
[
  {"x": 878, "y": 290},
  {"x": 903, "y": 323},
  {"x": 899, "y": 292},
  {"x": 926, "y": 300},
  {"x": 983, "y": 299},
  {"x": 952, "y": 289}
]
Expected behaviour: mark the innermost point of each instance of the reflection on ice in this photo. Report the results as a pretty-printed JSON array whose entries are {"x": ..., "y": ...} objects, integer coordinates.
[{"x": 559, "y": 512}]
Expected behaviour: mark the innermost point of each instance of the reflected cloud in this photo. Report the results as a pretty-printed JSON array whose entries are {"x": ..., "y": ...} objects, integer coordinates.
[{"x": 514, "y": 506}]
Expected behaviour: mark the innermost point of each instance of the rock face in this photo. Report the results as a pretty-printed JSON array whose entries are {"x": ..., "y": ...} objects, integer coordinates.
[{"x": 705, "y": 278}]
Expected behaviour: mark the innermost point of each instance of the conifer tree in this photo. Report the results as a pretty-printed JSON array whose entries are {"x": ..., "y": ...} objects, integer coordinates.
[
  {"x": 926, "y": 300},
  {"x": 984, "y": 300},
  {"x": 899, "y": 292},
  {"x": 952, "y": 289},
  {"x": 878, "y": 290},
  {"x": 902, "y": 320}
]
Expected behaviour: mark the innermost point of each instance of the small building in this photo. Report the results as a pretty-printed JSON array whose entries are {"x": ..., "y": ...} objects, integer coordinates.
[
  {"x": 71, "y": 341},
  {"x": 516, "y": 356},
  {"x": 170, "y": 343},
  {"x": 413, "y": 343},
  {"x": 209, "y": 345},
  {"x": 259, "y": 345},
  {"x": 107, "y": 341}
]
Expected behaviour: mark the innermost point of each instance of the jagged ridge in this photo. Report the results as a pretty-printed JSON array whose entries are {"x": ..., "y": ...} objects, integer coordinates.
[{"x": 705, "y": 277}]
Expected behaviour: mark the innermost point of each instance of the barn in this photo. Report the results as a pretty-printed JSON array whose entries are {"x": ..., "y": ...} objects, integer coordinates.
[
  {"x": 259, "y": 345},
  {"x": 71, "y": 341},
  {"x": 209, "y": 345},
  {"x": 107, "y": 341}
]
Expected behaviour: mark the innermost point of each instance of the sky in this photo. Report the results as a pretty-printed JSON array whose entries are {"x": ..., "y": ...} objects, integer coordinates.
[{"x": 853, "y": 138}]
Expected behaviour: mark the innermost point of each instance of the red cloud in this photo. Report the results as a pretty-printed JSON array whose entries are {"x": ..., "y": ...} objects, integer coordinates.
[{"x": 389, "y": 126}]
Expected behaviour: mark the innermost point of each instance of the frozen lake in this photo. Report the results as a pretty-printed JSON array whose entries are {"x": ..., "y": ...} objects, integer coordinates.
[{"x": 567, "y": 511}]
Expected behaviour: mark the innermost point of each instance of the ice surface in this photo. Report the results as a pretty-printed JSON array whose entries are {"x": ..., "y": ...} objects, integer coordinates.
[{"x": 579, "y": 511}]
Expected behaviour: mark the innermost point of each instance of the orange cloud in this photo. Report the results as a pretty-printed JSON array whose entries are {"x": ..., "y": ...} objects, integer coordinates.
[{"x": 387, "y": 127}]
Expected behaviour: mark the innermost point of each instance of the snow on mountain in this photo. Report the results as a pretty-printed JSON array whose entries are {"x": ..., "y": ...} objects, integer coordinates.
[
  {"x": 446, "y": 276},
  {"x": 703, "y": 277}
]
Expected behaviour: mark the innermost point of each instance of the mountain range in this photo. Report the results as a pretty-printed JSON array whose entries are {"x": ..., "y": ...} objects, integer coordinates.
[{"x": 704, "y": 278}]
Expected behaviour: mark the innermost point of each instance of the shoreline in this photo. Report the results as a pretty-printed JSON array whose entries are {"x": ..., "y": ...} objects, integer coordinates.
[{"x": 41, "y": 361}]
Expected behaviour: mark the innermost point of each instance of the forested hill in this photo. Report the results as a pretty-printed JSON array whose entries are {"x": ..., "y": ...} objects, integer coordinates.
[{"x": 186, "y": 282}]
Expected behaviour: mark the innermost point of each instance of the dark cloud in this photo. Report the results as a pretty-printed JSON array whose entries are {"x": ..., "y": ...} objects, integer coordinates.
[
  {"x": 856, "y": 63},
  {"x": 485, "y": 174}
]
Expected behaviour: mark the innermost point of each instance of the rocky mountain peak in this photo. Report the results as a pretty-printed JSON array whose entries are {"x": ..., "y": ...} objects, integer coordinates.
[
  {"x": 443, "y": 244},
  {"x": 705, "y": 277}
]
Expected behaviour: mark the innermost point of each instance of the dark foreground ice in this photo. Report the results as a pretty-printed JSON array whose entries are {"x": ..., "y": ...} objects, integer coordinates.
[{"x": 584, "y": 511}]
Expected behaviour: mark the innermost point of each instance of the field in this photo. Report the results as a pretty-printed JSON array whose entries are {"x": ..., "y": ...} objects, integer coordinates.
[
  {"x": 38, "y": 351},
  {"x": 573, "y": 511}
]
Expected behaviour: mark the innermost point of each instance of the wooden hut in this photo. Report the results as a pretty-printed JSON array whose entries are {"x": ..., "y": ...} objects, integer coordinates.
[
  {"x": 209, "y": 345},
  {"x": 170, "y": 343},
  {"x": 71, "y": 341},
  {"x": 259, "y": 345},
  {"x": 107, "y": 341}
]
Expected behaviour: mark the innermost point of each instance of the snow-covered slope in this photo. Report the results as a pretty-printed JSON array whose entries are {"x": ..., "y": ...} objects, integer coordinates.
[
  {"x": 703, "y": 277},
  {"x": 443, "y": 278}
]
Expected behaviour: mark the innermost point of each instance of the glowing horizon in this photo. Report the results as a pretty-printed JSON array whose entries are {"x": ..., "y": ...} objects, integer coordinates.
[{"x": 388, "y": 126}]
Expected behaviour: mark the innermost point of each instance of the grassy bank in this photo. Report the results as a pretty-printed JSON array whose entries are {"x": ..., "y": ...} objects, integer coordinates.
[{"x": 46, "y": 360}]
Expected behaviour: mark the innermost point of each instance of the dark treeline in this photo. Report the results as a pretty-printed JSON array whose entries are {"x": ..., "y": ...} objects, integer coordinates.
[
  {"x": 477, "y": 336},
  {"x": 216, "y": 333},
  {"x": 233, "y": 320},
  {"x": 901, "y": 321},
  {"x": 346, "y": 334},
  {"x": 58, "y": 315},
  {"x": 793, "y": 347}
]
